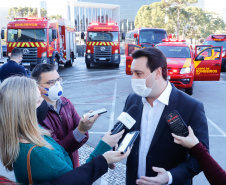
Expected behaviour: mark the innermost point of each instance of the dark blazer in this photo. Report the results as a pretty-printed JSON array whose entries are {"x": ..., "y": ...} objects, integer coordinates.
[
  {"x": 163, "y": 152},
  {"x": 83, "y": 175},
  {"x": 11, "y": 68}
]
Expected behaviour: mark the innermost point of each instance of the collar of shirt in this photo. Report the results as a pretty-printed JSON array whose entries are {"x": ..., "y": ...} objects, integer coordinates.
[
  {"x": 58, "y": 105},
  {"x": 163, "y": 98}
]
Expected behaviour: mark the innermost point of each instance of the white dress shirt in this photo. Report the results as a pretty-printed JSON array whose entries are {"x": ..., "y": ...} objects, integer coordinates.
[{"x": 150, "y": 119}]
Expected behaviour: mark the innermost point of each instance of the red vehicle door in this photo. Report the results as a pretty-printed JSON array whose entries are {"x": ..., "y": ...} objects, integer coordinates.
[
  {"x": 129, "y": 59},
  {"x": 208, "y": 63}
]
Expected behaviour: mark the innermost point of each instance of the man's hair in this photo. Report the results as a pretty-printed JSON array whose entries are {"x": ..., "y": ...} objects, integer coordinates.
[
  {"x": 155, "y": 58},
  {"x": 16, "y": 52},
  {"x": 41, "y": 68}
]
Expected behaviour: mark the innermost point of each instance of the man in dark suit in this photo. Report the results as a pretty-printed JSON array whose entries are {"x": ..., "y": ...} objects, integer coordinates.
[
  {"x": 12, "y": 67},
  {"x": 155, "y": 158}
]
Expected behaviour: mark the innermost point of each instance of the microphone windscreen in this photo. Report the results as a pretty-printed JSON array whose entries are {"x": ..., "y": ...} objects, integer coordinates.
[{"x": 133, "y": 112}]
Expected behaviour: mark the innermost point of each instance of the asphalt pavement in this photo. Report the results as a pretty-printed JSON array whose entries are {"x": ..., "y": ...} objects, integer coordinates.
[{"x": 107, "y": 87}]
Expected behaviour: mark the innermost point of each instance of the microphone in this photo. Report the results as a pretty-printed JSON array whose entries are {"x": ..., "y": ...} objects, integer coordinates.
[{"x": 126, "y": 120}]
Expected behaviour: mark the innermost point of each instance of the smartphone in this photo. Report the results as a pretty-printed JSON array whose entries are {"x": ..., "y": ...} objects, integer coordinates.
[
  {"x": 128, "y": 141},
  {"x": 99, "y": 111},
  {"x": 177, "y": 124}
]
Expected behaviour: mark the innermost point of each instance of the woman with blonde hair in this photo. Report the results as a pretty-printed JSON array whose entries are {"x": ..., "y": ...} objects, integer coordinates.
[{"x": 19, "y": 131}]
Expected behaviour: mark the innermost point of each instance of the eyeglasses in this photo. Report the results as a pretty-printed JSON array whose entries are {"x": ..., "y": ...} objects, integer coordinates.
[{"x": 53, "y": 82}]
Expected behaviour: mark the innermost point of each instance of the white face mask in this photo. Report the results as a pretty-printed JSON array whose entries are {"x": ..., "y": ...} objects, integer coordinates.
[
  {"x": 54, "y": 92},
  {"x": 140, "y": 88}
]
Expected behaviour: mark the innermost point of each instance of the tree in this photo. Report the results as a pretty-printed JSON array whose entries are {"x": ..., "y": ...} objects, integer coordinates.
[
  {"x": 43, "y": 12},
  {"x": 195, "y": 18},
  {"x": 52, "y": 17},
  {"x": 177, "y": 6},
  {"x": 143, "y": 17},
  {"x": 158, "y": 15},
  {"x": 213, "y": 24},
  {"x": 25, "y": 12},
  {"x": 152, "y": 15}
]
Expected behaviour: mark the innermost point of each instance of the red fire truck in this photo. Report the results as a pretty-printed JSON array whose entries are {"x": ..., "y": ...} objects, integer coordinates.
[
  {"x": 141, "y": 38},
  {"x": 102, "y": 44},
  {"x": 186, "y": 65},
  {"x": 218, "y": 40},
  {"x": 42, "y": 41}
]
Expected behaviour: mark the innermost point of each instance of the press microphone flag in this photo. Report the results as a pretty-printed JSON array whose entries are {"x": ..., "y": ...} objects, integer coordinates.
[{"x": 126, "y": 120}]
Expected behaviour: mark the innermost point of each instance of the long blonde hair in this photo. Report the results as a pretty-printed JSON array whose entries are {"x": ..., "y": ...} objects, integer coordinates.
[{"x": 18, "y": 118}]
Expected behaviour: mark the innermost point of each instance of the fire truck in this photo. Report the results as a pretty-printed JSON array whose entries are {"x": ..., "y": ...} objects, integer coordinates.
[
  {"x": 141, "y": 38},
  {"x": 42, "y": 41},
  {"x": 102, "y": 44},
  {"x": 218, "y": 40},
  {"x": 186, "y": 65}
]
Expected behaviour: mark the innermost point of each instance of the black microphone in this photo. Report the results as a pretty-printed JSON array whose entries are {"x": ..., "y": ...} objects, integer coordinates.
[{"x": 126, "y": 119}]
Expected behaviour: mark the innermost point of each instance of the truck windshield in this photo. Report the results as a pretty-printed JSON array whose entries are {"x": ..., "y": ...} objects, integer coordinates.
[
  {"x": 26, "y": 35},
  {"x": 103, "y": 36},
  {"x": 152, "y": 36},
  {"x": 216, "y": 43},
  {"x": 175, "y": 52}
]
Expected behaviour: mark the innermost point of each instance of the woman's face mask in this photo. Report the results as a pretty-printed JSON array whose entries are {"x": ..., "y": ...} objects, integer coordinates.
[
  {"x": 140, "y": 88},
  {"x": 54, "y": 92}
]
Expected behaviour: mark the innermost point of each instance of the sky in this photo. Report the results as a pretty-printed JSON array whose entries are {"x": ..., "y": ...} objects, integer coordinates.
[{"x": 55, "y": 6}]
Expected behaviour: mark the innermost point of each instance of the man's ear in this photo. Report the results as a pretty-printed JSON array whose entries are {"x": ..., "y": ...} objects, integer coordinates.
[{"x": 158, "y": 73}]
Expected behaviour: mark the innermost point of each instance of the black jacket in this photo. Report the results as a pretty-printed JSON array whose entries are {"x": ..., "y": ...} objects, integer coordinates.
[
  {"x": 11, "y": 68},
  {"x": 86, "y": 174},
  {"x": 163, "y": 152}
]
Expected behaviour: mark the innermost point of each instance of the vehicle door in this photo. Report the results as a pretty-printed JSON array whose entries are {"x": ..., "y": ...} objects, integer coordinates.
[
  {"x": 207, "y": 63},
  {"x": 200, "y": 48},
  {"x": 128, "y": 51}
]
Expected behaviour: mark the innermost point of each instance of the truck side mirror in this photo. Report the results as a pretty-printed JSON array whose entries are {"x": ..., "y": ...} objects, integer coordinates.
[
  {"x": 54, "y": 34},
  {"x": 135, "y": 35},
  {"x": 82, "y": 35},
  {"x": 199, "y": 58},
  {"x": 170, "y": 36},
  {"x": 2, "y": 34},
  {"x": 123, "y": 36}
]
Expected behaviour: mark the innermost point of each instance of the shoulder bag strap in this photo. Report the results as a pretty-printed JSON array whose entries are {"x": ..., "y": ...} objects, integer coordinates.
[{"x": 29, "y": 166}]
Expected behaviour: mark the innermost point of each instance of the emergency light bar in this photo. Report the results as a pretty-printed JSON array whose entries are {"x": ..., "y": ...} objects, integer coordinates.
[
  {"x": 94, "y": 23},
  {"x": 169, "y": 40},
  {"x": 110, "y": 23},
  {"x": 218, "y": 37},
  {"x": 31, "y": 18}
]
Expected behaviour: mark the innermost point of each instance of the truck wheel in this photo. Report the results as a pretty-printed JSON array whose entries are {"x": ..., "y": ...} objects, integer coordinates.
[
  {"x": 223, "y": 65},
  {"x": 117, "y": 65},
  {"x": 70, "y": 62},
  {"x": 189, "y": 91},
  {"x": 56, "y": 62},
  {"x": 87, "y": 65}
]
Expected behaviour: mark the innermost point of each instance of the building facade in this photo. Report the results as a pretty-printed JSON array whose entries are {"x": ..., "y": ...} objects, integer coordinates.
[{"x": 128, "y": 11}]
